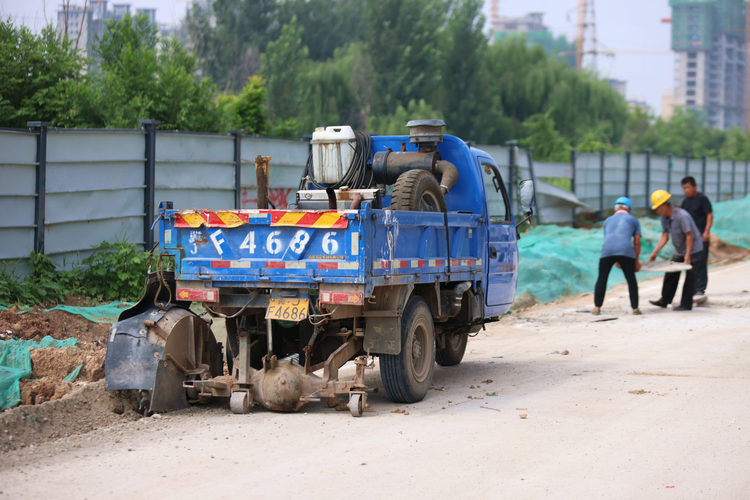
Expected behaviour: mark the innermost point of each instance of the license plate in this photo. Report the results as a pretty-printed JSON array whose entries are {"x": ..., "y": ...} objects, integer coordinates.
[{"x": 288, "y": 309}]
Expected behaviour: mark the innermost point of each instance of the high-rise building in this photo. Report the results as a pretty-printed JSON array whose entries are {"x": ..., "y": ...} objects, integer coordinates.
[
  {"x": 86, "y": 24},
  {"x": 532, "y": 27},
  {"x": 708, "y": 38}
]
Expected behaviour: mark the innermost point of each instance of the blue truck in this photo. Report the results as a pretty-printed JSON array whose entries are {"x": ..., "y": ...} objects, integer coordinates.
[{"x": 399, "y": 247}]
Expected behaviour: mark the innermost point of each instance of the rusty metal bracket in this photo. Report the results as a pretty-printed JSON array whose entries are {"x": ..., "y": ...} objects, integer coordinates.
[{"x": 339, "y": 357}]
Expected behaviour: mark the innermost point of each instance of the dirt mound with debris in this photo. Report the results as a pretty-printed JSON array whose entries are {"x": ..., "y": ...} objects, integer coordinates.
[
  {"x": 88, "y": 408},
  {"x": 52, "y": 365},
  {"x": 37, "y": 324},
  {"x": 58, "y": 363},
  {"x": 724, "y": 253}
]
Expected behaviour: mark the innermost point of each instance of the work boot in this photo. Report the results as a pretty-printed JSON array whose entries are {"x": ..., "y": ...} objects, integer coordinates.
[
  {"x": 679, "y": 307},
  {"x": 659, "y": 303},
  {"x": 637, "y": 312}
]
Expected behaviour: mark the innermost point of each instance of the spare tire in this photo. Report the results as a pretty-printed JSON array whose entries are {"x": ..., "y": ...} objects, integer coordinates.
[{"x": 417, "y": 191}]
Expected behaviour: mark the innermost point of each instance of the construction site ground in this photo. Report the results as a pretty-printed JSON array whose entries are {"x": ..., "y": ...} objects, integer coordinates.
[{"x": 548, "y": 403}]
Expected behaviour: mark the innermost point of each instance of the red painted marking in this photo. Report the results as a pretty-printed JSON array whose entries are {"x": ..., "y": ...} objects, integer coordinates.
[
  {"x": 275, "y": 265},
  {"x": 420, "y": 263},
  {"x": 221, "y": 263},
  {"x": 308, "y": 219},
  {"x": 328, "y": 265},
  {"x": 198, "y": 294},
  {"x": 342, "y": 298}
]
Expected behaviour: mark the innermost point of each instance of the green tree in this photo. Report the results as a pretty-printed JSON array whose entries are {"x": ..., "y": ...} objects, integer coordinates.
[
  {"x": 247, "y": 111},
  {"x": 526, "y": 81},
  {"x": 685, "y": 133},
  {"x": 282, "y": 62},
  {"x": 228, "y": 36},
  {"x": 403, "y": 40},
  {"x": 134, "y": 81},
  {"x": 328, "y": 24},
  {"x": 395, "y": 123},
  {"x": 547, "y": 142},
  {"x": 464, "y": 85},
  {"x": 37, "y": 74}
]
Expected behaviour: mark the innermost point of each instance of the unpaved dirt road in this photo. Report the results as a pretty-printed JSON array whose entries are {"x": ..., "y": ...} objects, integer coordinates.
[{"x": 656, "y": 406}]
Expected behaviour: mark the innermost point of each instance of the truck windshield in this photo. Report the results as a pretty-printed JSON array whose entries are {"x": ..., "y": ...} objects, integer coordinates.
[{"x": 497, "y": 198}]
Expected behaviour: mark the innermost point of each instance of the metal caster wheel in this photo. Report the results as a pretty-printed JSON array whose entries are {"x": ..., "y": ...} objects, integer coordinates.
[
  {"x": 239, "y": 403},
  {"x": 356, "y": 405}
]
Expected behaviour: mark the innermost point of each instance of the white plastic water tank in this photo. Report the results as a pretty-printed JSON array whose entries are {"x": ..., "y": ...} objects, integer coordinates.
[{"x": 332, "y": 150}]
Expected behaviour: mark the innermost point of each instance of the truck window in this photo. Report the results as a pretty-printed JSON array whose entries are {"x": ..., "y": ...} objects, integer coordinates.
[{"x": 497, "y": 198}]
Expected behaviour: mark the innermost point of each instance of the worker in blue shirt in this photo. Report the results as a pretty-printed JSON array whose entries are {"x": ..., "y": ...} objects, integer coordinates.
[{"x": 622, "y": 246}]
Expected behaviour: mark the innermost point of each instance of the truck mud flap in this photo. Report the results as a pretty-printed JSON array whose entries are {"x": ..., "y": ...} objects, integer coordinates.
[
  {"x": 383, "y": 336},
  {"x": 131, "y": 360}
]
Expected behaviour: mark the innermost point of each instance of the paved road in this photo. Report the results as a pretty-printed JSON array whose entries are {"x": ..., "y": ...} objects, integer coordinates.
[{"x": 642, "y": 407}]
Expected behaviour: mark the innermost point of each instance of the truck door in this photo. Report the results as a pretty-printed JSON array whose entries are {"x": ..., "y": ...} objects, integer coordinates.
[{"x": 502, "y": 251}]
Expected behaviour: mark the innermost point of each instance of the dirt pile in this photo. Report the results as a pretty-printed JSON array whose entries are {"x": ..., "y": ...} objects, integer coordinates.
[
  {"x": 51, "y": 366},
  {"x": 88, "y": 408},
  {"x": 723, "y": 252},
  {"x": 37, "y": 324}
]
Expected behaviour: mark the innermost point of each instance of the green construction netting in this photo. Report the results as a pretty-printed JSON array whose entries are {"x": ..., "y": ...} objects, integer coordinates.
[
  {"x": 107, "y": 313},
  {"x": 558, "y": 261},
  {"x": 15, "y": 364},
  {"x": 732, "y": 221}
]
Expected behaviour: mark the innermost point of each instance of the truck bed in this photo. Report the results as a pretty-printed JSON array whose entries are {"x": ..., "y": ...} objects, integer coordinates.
[{"x": 254, "y": 248}]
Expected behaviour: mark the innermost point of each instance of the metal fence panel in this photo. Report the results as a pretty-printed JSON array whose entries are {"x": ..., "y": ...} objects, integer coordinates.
[
  {"x": 194, "y": 170},
  {"x": 95, "y": 182},
  {"x": 17, "y": 195}
]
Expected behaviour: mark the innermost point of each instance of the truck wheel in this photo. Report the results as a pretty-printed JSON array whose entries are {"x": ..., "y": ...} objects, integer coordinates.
[
  {"x": 407, "y": 376},
  {"x": 417, "y": 191},
  {"x": 455, "y": 347}
]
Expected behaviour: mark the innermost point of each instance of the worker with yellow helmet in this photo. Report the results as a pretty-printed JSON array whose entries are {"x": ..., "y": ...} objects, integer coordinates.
[{"x": 688, "y": 244}]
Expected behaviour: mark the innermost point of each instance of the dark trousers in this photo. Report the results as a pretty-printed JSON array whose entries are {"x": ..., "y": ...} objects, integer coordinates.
[
  {"x": 628, "y": 269},
  {"x": 701, "y": 270},
  {"x": 671, "y": 280}
]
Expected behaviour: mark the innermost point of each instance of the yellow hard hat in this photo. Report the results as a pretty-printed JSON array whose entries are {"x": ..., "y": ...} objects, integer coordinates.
[{"x": 659, "y": 198}]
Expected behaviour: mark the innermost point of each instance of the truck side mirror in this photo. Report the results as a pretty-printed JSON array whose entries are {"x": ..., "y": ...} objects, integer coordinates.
[{"x": 527, "y": 196}]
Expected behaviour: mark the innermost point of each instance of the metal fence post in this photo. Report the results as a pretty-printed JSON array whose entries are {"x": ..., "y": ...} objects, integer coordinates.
[
  {"x": 237, "y": 168},
  {"x": 627, "y": 174},
  {"x": 41, "y": 182},
  {"x": 734, "y": 166},
  {"x": 511, "y": 170},
  {"x": 150, "y": 179},
  {"x": 669, "y": 173},
  {"x": 687, "y": 164},
  {"x": 601, "y": 184},
  {"x": 703, "y": 174},
  {"x": 648, "y": 179},
  {"x": 718, "y": 182},
  {"x": 573, "y": 158}
]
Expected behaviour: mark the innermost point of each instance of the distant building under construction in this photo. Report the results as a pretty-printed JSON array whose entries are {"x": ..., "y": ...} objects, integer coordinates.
[
  {"x": 709, "y": 37},
  {"x": 532, "y": 27}
]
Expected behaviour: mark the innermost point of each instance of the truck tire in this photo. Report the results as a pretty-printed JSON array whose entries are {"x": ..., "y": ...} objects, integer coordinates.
[
  {"x": 407, "y": 376},
  {"x": 455, "y": 347},
  {"x": 417, "y": 191}
]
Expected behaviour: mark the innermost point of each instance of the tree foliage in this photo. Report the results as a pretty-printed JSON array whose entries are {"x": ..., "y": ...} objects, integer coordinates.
[
  {"x": 136, "y": 78},
  {"x": 36, "y": 74}
]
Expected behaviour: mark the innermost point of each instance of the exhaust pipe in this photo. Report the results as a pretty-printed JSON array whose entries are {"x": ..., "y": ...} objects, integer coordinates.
[
  {"x": 332, "y": 205},
  {"x": 448, "y": 175}
]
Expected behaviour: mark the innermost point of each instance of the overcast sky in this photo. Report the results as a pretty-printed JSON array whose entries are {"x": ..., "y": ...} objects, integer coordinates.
[{"x": 621, "y": 25}]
